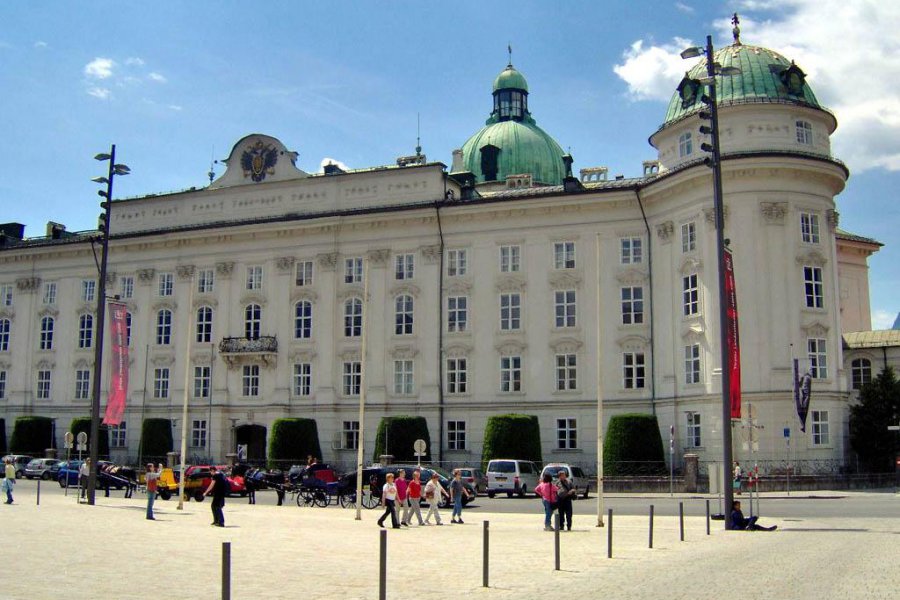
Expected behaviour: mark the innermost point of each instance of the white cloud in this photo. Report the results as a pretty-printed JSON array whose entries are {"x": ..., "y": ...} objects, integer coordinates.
[
  {"x": 98, "y": 92},
  {"x": 157, "y": 77},
  {"x": 40, "y": 44},
  {"x": 174, "y": 107},
  {"x": 134, "y": 61},
  {"x": 849, "y": 51},
  {"x": 100, "y": 68},
  {"x": 684, "y": 7},
  {"x": 332, "y": 161},
  {"x": 882, "y": 319}
]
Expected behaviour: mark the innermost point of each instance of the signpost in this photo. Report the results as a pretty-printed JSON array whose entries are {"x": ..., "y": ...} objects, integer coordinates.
[
  {"x": 69, "y": 438},
  {"x": 787, "y": 439},
  {"x": 671, "y": 460},
  {"x": 419, "y": 448},
  {"x": 81, "y": 447}
]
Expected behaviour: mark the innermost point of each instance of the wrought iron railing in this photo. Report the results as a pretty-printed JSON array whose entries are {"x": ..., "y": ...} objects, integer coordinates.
[{"x": 243, "y": 345}]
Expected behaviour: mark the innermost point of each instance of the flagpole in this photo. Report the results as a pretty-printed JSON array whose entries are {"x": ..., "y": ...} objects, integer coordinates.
[
  {"x": 184, "y": 408},
  {"x": 143, "y": 407},
  {"x": 360, "y": 441},
  {"x": 599, "y": 396}
]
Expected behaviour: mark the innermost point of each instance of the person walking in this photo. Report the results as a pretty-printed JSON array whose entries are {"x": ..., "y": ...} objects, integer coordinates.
[
  {"x": 9, "y": 482},
  {"x": 548, "y": 494},
  {"x": 388, "y": 501},
  {"x": 457, "y": 491},
  {"x": 250, "y": 485},
  {"x": 218, "y": 487},
  {"x": 434, "y": 492},
  {"x": 152, "y": 480},
  {"x": 402, "y": 503},
  {"x": 566, "y": 493},
  {"x": 413, "y": 498},
  {"x": 84, "y": 473}
]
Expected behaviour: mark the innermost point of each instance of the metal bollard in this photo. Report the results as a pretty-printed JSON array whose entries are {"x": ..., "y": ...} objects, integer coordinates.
[
  {"x": 226, "y": 570},
  {"x": 39, "y": 493},
  {"x": 556, "y": 542},
  {"x": 707, "y": 516},
  {"x": 609, "y": 535},
  {"x": 651, "y": 526},
  {"x": 681, "y": 520},
  {"x": 382, "y": 567},
  {"x": 484, "y": 555}
]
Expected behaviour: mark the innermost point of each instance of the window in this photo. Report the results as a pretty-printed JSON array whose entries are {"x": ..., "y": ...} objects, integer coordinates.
[
  {"x": 352, "y": 377},
  {"x": 820, "y": 431},
  {"x": 456, "y": 435},
  {"x": 202, "y": 376},
  {"x": 303, "y": 275},
  {"x": 252, "y": 321},
  {"x": 164, "y": 327},
  {"x": 206, "y": 280},
  {"x": 165, "y": 284},
  {"x": 818, "y": 360},
  {"x": 127, "y": 284},
  {"x": 457, "y": 314},
  {"x": 88, "y": 288},
  {"x": 456, "y": 263},
  {"x": 510, "y": 373},
  {"x": 403, "y": 319},
  {"x": 204, "y": 325},
  {"x": 353, "y": 270},
  {"x": 404, "y": 266},
  {"x": 804, "y": 133},
  {"x": 43, "y": 385},
  {"x": 812, "y": 282},
  {"x": 565, "y": 308},
  {"x": 456, "y": 376},
  {"x": 198, "y": 433},
  {"x": 6, "y": 294},
  {"x": 566, "y": 379},
  {"x": 118, "y": 435},
  {"x": 633, "y": 370},
  {"x": 403, "y": 377},
  {"x": 303, "y": 320},
  {"x": 2, "y": 384},
  {"x": 489, "y": 159},
  {"x": 510, "y": 312},
  {"x": 254, "y": 277},
  {"x": 353, "y": 317},
  {"x": 690, "y": 295},
  {"x": 161, "y": 382},
  {"x": 250, "y": 380},
  {"x": 85, "y": 331},
  {"x": 4, "y": 335},
  {"x": 631, "y": 250},
  {"x": 82, "y": 384},
  {"x": 47, "y": 333},
  {"x": 809, "y": 228},
  {"x": 685, "y": 144},
  {"x": 861, "y": 372},
  {"x": 50, "y": 292},
  {"x": 564, "y": 255},
  {"x": 350, "y": 435},
  {"x": 566, "y": 434},
  {"x": 689, "y": 237},
  {"x": 510, "y": 259},
  {"x": 693, "y": 430},
  {"x": 632, "y": 305},
  {"x": 692, "y": 363},
  {"x": 302, "y": 379},
  {"x": 127, "y": 328}
]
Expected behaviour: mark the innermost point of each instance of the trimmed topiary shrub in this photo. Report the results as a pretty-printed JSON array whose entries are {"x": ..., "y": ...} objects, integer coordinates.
[
  {"x": 633, "y": 446},
  {"x": 396, "y": 436},
  {"x": 80, "y": 424},
  {"x": 156, "y": 438},
  {"x": 512, "y": 436},
  {"x": 31, "y": 435},
  {"x": 294, "y": 440}
]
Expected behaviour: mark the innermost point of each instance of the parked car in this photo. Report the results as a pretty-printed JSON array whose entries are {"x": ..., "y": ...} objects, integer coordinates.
[
  {"x": 511, "y": 476},
  {"x": 39, "y": 468},
  {"x": 69, "y": 472},
  {"x": 198, "y": 478},
  {"x": 19, "y": 462},
  {"x": 374, "y": 477},
  {"x": 576, "y": 476},
  {"x": 475, "y": 477}
]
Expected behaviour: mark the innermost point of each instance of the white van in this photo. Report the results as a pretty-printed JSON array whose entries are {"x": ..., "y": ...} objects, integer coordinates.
[{"x": 511, "y": 476}]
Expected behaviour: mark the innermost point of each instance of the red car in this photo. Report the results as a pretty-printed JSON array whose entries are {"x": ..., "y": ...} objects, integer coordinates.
[{"x": 198, "y": 478}]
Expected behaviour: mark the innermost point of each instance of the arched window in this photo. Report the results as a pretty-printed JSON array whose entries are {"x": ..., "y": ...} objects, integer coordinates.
[
  {"x": 685, "y": 144},
  {"x": 85, "y": 331},
  {"x": 164, "y": 327},
  {"x": 861, "y": 372},
  {"x": 4, "y": 335},
  {"x": 490, "y": 156},
  {"x": 204, "y": 325},
  {"x": 47, "y": 324},
  {"x": 303, "y": 320},
  {"x": 252, "y": 321},
  {"x": 403, "y": 315},
  {"x": 353, "y": 317}
]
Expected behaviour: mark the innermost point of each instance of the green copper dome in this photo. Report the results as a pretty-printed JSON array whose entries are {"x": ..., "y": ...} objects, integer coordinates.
[
  {"x": 511, "y": 143},
  {"x": 765, "y": 76}
]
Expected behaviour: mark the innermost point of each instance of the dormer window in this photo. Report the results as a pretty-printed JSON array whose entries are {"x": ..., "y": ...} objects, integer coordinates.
[
  {"x": 489, "y": 162},
  {"x": 687, "y": 90},
  {"x": 793, "y": 79},
  {"x": 510, "y": 104}
]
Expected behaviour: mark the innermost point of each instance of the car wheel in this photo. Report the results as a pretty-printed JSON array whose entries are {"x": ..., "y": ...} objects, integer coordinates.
[
  {"x": 61, "y": 483},
  {"x": 586, "y": 490},
  {"x": 165, "y": 494},
  {"x": 198, "y": 496},
  {"x": 491, "y": 494},
  {"x": 45, "y": 476},
  {"x": 20, "y": 474},
  {"x": 522, "y": 491},
  {"x": 509, "y": 494}
]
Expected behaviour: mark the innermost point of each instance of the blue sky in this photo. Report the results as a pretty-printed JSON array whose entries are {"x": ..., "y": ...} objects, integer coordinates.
[{"x": 174, "y": 85}]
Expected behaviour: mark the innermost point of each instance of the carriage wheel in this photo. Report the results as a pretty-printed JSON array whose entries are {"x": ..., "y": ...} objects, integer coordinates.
[
  {"x": 321, "y": 498},
  {"x": 304, "y": 498},
  {"x": 370, "y": 500},
  {"x": 348, "y": 500}
]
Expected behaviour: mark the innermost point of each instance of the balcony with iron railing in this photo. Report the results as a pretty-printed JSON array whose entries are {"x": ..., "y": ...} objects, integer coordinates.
[{"x": 240, "y": 350}]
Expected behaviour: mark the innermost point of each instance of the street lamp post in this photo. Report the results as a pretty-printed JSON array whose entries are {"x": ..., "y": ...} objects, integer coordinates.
[
  {"x": 114, "y": 169},
  {"x": 712, "y": 71}
]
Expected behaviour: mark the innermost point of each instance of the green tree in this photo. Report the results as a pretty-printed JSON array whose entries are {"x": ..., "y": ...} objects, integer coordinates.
[
  {"x": 633, "y": 445},
  {"x": 156, "y": 439},
  {"x": 396, "y": 436},
  {"x": 31, "y": 435},
  {"x": 878, "y": 408},
  {"x": 512, "y": 436},
  {"x": 294, "y": 440}
]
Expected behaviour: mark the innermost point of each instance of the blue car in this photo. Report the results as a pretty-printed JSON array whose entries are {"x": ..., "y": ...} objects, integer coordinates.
[{"x": 68, "y": 471}]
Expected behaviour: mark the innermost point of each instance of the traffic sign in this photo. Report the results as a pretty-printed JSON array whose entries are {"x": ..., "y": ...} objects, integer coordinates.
[
  {"x": 82, "y": 437},
  {"x": 419, "y": 446}
]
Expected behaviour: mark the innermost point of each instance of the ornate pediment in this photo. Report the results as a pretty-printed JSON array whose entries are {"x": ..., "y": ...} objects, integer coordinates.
[
  {"x": 205, "y": 300},
  {"x": 285, "y": 264},
  {"x": 815, "y": 329},
  {"x": 48, "y": 311},
  {"x": 564, "y": 279},
  {"x": 690, "y": 264},
  {"x": 431, "y": 254},
  {"x": 28, "y": 284},
  {"x": 253, "y": 297},
  {"x": 165, "y": 304},
  {"x": 565, "y": 344},
  {"x": 350, "y": 290},
  {"x": 773, "y": 212},
  {"x": 693, "y": 330},
  {"x": 224, "y": 269},
  {"x": 349, "y": 353},
  {"x": 710, "y": 215},
  {"x": 631, "y": 275},
  {"x": 405, "y": 288},
  {"x": 665, "y": 230},
  {"x": 303, "y": 293},
  {"x": 379, "y": 257},
  {"x": 812, "y": 257},
  {"x": 45, "y": 364},
  {"x": 633, "y": 342},
  {"x": 185, "y": 272},
  {"x": 83, "y": 363},
  {"x": 327, "y": 261},
  {"x": 201, "y": 357},
  {"x": 510, "y": 347},
  {"x": 7, "y": 312},
  {"x": 404, "y": 351},
  {"x": 146, "y": 276},
  {"x": 458, "y": 288},
  {"x": 511, "y": 283},
  {"x": 298, "y": 354},
  {"x": 457, "y": 350},
  {"x": 163, "y": 360}
]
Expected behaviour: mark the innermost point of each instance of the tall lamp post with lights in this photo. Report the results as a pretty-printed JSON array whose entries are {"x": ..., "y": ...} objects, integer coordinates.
[
  {"x": 114, "y": 169},
  {"x": 714, "y": 70}
]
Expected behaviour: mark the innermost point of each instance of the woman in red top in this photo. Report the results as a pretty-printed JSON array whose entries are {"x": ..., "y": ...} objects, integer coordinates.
[
  {"x": 413, "y": 496},
  {"x": 547, "y": 491}
]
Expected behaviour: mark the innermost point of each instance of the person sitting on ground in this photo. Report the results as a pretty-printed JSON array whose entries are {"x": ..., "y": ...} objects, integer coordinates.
[{"x": 739, "y": 522}]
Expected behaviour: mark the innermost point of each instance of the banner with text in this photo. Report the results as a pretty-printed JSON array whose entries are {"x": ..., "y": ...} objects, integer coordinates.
[
  {"x": 733, "y": 340},
  {"x": 118, "y": 384}
]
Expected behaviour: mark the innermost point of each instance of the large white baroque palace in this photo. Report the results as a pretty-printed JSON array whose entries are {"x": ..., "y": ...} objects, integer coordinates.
[{"x": 501, "y": 284}]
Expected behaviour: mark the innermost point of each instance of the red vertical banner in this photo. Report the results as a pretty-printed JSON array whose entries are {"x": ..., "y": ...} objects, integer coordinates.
[
  {"x": 733, "y": 340},
  {"x": 118, "y": 384}
]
